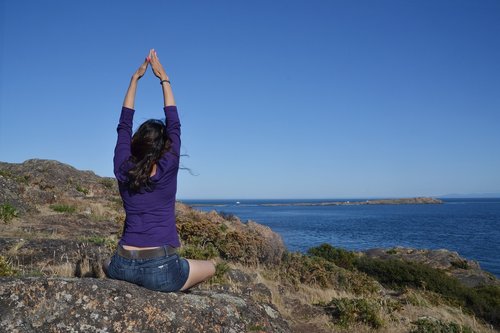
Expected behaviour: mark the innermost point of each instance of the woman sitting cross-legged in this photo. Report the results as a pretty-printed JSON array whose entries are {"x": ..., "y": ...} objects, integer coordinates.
[{"x": 146, "y": 166}]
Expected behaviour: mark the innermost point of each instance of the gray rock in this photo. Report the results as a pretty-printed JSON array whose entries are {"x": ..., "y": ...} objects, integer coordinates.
[{"x": 104, "y": 305}]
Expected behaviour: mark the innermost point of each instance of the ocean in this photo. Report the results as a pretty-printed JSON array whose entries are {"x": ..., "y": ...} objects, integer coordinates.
[{"x": 470, "y": 227}]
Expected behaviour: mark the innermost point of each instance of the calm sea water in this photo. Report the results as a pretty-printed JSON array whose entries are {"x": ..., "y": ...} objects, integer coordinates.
[{"x": 470, "y": 227}]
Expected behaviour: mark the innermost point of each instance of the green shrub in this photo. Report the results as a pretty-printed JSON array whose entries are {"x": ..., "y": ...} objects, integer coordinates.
[
  {"x": 6, "y": 268},
  {"x": 227, "y": 216},
  {"x": 484, "y": 301},
  {"x": 7, "y": 212},
  {"x": 391, "y": 251},
  {"x": 209, "y": 251},
  {"x": 394, "y": 273},
  {"x": 108, "y": 182},
  {"x": 428, "y": 325},
  {"x": 296, "y": 268},
  {"x": 61, "y": 208},
  {"x": 345, "y": 312},
  {"x": 240, "y": 246},
  {"x": 24, "y": 179},
  {"x": 82, "y": 190},
  {"x": 339, "y": 257},
  {"x": 244, "y": 245},
  {"x": 221, "y": 269},
  {"x": 398, "y": 274},
  {"x": 197, "y": 231}
]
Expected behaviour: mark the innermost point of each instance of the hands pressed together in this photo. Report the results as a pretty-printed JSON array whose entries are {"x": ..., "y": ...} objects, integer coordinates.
[
  {"x": 156, "y": 67},
  {"x": 159, "y": 72}
]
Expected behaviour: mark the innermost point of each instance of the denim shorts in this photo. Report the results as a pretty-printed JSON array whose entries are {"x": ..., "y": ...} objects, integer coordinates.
[{"x": 166, "y": 273}]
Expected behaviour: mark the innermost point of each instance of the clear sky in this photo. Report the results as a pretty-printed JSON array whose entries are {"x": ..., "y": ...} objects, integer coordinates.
[{"x": 277, "y": 99}]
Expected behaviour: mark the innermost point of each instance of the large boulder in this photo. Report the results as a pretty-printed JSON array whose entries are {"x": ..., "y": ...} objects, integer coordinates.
[{"x": 104, "y": 305}]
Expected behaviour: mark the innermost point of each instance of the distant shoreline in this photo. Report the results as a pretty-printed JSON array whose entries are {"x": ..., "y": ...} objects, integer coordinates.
[{"x": 401, "y": 201}]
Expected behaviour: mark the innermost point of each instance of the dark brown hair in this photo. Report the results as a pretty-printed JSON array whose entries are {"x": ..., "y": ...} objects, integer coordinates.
[{"x": 149, "y": 143}]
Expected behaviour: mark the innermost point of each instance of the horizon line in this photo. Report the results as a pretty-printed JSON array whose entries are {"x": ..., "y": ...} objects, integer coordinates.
[{"x": 496, "y": 196}]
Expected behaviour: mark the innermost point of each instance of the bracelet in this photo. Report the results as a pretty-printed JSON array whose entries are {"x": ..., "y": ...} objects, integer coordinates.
[{"x": 161, "y": 82}]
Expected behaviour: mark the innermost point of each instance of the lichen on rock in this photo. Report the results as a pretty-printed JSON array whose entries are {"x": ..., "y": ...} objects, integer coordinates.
[{"x": 92, "y": 305}]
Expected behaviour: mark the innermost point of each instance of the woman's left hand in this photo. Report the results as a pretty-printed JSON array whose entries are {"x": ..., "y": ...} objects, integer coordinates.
[{"x": 140, "y": 72}]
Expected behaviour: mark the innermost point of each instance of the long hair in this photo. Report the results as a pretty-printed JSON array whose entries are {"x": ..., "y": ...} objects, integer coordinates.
[{"x": 149, "y": 143}]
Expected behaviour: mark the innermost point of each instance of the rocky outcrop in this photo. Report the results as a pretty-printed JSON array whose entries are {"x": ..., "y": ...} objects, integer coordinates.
[
  {"x": 55, "y": 200},
  {"x": 37, "y": 182},
  {"x": 466, "y": 271},
  {"x": 103, "y": 305}
]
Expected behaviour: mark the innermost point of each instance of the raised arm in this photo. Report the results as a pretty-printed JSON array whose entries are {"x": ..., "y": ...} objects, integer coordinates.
[
  {"x": 159, "y": 72},
  {"x": 132, "y": 88},
  {"x": 171, "y": 116},
  {"x": 124, "y": 129}
]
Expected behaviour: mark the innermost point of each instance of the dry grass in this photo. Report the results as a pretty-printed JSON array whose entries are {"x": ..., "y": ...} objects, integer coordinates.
[
  {"x": 26, "y": 231},
  {"x": 66, "y": 269},
  {"x": 449, "y": 314},
  {"x": 13, "y": 250},
  {"x": 423, "y": 307},
  {"x": 281, "y": 296},
  {"x": 396, "y": 312},
  {"x": 97, "y": 212}
]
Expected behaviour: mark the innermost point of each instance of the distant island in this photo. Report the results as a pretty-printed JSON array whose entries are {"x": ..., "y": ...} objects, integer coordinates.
[{"x": 403, "y": 201}]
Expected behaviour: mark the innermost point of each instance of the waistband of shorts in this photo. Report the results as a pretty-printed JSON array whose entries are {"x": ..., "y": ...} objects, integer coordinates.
[{"x": 163, "y": 251}]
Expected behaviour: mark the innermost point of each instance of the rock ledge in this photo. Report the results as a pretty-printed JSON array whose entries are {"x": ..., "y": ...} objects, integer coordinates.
[{"x": 104, "y": 305}]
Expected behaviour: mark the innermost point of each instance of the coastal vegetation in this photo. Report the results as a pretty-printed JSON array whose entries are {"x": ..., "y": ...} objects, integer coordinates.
[
  {"x": 429, "y": 325},
  {"x": 62, "y": 233},
  {"x": 483, "y": 301},
  {"x": 6, "y": 268},
  {"x": 62, "y": 208},
  {"x": 7, "y": 212},
  {"x": 348, "y": 311}
]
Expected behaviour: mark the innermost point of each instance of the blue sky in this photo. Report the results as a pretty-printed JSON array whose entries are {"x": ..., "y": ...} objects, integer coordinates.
[{"x": 278, "y": 99}]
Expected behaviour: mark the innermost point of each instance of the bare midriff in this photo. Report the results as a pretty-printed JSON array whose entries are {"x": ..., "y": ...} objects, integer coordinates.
[{"x": 128, "y": 247}]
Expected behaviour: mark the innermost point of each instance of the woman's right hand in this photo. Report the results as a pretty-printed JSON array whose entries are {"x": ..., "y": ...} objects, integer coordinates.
[
  {"x": 156, "y": 66},
  {"x": 140, "y": 72}
]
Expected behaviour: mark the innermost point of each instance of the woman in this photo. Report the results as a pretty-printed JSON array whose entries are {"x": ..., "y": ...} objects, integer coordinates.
[{"x": 146, "y": 166}]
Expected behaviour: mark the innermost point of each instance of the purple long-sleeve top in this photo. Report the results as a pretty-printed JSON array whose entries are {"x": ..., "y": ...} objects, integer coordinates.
[{"x": 150, "y": 216}]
